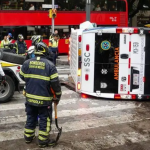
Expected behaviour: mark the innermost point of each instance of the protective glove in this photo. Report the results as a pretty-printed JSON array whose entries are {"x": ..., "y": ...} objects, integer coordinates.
[{"x": 56, "y": 100}]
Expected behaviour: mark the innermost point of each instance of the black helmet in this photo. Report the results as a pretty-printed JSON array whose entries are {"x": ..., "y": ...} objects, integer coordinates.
[
  {"x": 41, "y": 49},
  {"x": 20, "y": 36},
  {"x": 36, "y": 39}
]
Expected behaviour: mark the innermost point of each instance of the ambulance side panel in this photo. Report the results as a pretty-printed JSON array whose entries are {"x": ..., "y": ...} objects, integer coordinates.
[{"x": 88, "y": 48}]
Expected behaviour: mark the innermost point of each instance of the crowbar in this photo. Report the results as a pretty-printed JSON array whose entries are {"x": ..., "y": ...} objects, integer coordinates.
[{"x": 56, "y": 121}]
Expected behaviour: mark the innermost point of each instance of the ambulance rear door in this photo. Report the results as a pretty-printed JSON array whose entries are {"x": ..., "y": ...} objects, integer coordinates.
[
  {"x": 137, "y": 67},
  {"x": 106, "y": 63},
  {"x": 124, "y": 60}
]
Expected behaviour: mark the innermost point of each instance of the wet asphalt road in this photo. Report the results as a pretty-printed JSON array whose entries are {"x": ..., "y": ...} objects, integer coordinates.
[{"x": 88, "y": 124}]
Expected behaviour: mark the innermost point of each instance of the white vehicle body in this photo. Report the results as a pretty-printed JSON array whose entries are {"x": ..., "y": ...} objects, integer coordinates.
[
  {"x": 13, "y": 68},
  {"x": 13, "y": 81},
  {"x": 111, "y": 62}
]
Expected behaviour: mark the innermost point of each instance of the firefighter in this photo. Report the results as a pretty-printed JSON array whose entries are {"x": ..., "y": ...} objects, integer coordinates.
[
  {"x": 40, "y": 75},
  {"x": 20, "y": 46},
  {"x": 35, "y": 40},
  {"x": 54, "y": 47},
  {"x": 2, "y": 74}
]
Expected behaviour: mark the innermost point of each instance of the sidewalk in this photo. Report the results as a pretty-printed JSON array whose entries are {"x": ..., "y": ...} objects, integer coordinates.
[{"x": 63, "y": 60}]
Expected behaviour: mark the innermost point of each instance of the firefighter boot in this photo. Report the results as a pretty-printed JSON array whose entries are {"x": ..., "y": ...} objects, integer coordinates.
[
  {"x": 29, "y": 139},
  {"x": 46, "y": 143}
]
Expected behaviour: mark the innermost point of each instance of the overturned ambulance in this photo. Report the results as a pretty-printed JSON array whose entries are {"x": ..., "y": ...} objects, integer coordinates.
[{"x": 111, "y": 62}]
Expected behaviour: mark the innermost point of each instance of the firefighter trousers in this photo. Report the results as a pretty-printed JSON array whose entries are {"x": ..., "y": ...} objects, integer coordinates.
[{"x": 45, "y": 116}]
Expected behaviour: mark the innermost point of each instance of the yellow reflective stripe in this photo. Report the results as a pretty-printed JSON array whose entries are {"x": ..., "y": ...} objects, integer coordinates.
[
  {"x": 29, "y": 135},
  {"x": 21, "y": 73},
  {"x": 36, "y": 77},
  {"x": 43, "y": 133},
  {"x": 54, "y": 76},
  {"x": 41, "y": 138},
  {"x": 17, "y": 48},
  {"x": 58, "y": 93},
  {"x": 38, "y": 97},
  {"x": 48, "y": 125},
  {"x": 29, "y": 130}
]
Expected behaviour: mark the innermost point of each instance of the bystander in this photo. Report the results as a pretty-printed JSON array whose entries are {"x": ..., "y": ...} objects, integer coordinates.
[{"x": 32, "y": 7}]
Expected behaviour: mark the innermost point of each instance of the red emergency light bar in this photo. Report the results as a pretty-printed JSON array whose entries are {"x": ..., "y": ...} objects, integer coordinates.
[
  {"x": 127, "y": 30},
  {"x": 123, "y": 96}
]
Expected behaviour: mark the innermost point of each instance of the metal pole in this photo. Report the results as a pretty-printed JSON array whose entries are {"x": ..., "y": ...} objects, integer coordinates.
[
  {"x": 88, "y": 9},
  {"x": 53, "y": 4}
]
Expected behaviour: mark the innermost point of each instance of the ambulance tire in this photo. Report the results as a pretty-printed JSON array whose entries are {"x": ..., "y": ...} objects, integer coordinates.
[
  {"x": 7, "y": 91},
  {"x": 13, "y": 58},
  {"x": 1, "y": 54}
]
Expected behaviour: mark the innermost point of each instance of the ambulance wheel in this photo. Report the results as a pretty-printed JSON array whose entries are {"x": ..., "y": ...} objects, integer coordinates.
[
  {"x": 13, "y": 58},
  {"x": 7, "y": 90},
  {"x": 1, "y": 54}
]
